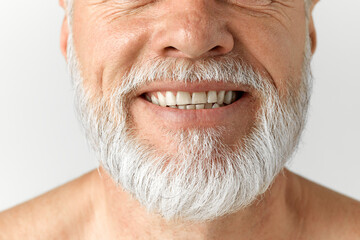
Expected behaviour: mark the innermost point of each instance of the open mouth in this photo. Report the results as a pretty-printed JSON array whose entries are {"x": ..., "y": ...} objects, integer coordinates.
[{"x": 193, "y": 100}]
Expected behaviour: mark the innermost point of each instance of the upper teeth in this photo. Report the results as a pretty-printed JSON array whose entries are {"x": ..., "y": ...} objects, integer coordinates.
[{"x": 195, "y": 100}]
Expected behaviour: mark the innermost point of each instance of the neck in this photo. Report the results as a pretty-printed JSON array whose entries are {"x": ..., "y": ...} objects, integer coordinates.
[{"x": 273, "y": 215}]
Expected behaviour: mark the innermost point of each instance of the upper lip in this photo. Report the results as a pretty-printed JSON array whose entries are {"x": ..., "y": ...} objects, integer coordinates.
[{"x": 204, "y": 86}]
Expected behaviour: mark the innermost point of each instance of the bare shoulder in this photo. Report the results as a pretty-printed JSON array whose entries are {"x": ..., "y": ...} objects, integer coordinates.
[
  {"x": 50, "y": 215},
  {"x": 330, "y": 215}
]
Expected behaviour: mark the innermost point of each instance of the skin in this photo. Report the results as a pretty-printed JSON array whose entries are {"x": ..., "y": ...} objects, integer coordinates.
[
  {"x": 294, "y": 208},
  {"x": 109, "y": 38},
  {"x": 127, "y": 33}
]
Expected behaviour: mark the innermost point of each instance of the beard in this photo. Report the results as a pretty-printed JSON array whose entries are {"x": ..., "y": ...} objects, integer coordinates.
[{"x": 205, "y": 178}]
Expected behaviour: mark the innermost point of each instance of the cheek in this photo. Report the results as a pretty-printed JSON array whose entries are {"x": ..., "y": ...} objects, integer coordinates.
[
  {"x": 107, "y": 51},
  {"x": 272, "y": 49}
]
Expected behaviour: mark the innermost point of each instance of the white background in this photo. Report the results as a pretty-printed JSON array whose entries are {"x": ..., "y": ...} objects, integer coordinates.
[{"x": 41, "y": 144}]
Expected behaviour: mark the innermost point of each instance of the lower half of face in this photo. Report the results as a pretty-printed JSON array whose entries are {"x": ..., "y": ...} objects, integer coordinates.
[{"x": 198, "y": 146}]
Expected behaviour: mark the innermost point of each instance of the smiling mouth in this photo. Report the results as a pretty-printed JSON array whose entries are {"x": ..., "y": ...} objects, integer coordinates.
[{"x": 193, "y": 100}]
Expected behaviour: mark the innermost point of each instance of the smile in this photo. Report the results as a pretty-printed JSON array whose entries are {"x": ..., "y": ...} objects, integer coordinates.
[
  {"x": 193, "y": 100},
  {"x": 206, "y": 103}
]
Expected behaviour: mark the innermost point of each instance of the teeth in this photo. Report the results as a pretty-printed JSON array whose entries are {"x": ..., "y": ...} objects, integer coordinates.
[
  {"x": 196, "y": 100},
  {"x": 211, "y": 97},
  {"x": 208, "y": 106},
  {"x": 233, "y": 97},
  {"x": 216, "y": 105},
  {"x": 183, "y": 98},
  {"x": 199, "y": 97},
  {"x": 162, "y": 100},
  {"x": 200, "y": 106},
  {"x": 154, "y": 100},
  {"x": 147, "y": 97},
  {"x": 220, "y": 97},
  {"x": 228, "y": 97},
  {"x": 170, "y": 98}
]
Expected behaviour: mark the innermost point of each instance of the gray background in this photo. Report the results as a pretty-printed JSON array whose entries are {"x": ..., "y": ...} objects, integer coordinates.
[{"x": 41, "y": 143}]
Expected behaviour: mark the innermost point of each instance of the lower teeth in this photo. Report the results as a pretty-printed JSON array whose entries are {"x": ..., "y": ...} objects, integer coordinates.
[{"x": 198, "y": 106}]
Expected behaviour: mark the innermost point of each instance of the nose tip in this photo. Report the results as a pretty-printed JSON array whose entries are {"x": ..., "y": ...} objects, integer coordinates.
[{"x": 195, "y": 33}]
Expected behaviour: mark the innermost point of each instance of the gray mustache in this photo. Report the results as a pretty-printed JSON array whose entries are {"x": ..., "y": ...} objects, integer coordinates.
[{"x": 229, "y": 68}]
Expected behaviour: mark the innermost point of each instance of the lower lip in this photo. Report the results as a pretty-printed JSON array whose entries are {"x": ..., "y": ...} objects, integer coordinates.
[{"x": 199, "y": 116}]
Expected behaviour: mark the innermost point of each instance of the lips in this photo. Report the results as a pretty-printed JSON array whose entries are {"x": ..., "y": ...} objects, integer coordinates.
[
  {"x": 190, "y": 95},
  {"x": 193, "y": 100},
  {"x": 203, "y": 104}
]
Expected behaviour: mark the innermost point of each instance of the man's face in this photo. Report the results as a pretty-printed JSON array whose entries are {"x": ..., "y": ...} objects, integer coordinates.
[
  {"x": 255, "y": 48},
  {"x": 111, "y": 36}
]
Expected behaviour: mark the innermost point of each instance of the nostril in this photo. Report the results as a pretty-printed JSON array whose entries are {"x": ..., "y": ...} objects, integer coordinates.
[
  {"x": 171, "y": 51},
  {"x": 170, "y": 48},
  {"x": 216, "y": 48}
]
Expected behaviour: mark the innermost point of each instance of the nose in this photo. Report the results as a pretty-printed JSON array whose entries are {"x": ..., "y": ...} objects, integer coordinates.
[{"x": 192, "y": 29}]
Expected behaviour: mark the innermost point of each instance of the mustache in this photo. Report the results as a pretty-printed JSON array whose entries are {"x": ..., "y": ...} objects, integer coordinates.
[{"x": 229, "y": 68}]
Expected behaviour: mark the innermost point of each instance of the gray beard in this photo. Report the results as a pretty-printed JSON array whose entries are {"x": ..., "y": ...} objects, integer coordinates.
[{"x": 208, "y": 179}]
